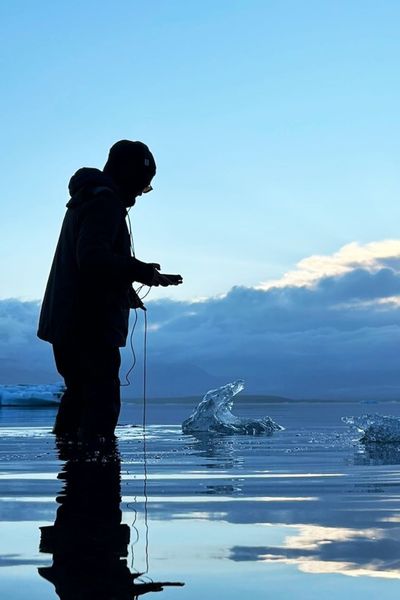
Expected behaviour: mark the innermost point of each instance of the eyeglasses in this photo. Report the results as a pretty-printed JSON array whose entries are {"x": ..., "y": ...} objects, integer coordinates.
[{"x": 147, "y": 189}]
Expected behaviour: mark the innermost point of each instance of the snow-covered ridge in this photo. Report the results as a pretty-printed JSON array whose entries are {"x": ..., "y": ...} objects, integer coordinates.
[{"x": 30, "y": 394}]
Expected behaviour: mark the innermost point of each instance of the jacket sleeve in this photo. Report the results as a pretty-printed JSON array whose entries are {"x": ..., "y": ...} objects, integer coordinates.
[{"x": 97, "y": 231}]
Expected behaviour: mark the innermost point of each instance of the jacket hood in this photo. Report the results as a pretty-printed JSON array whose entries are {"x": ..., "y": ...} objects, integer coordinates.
[{"x": 84, "y": 181}]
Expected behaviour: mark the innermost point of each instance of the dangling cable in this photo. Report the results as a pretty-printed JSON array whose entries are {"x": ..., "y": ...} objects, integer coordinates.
[
  {"x": 144, "y": 417},
  {"x": 144, "y": 577},
  {"x": 145, "y": 372},
  {"x": 144, "y": 423},
  {"x": 128, "y": 382},
  {"x": 130, "y": 232}
]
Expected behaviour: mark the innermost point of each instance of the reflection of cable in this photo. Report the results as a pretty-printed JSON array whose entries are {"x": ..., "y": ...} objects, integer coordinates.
[{"x": 133, "y": 526}]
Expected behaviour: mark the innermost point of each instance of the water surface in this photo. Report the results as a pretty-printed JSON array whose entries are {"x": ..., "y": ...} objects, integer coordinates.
[{"x": 307, "y": 512}]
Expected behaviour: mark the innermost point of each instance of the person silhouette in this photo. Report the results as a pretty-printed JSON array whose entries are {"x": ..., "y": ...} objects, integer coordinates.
[
  {"x": 89, "y": 293},
  {"x": 88, "y": 542}
]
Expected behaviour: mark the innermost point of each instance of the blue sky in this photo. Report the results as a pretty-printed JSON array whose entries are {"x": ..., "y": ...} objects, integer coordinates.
[
  {"x": 275, "y": 127},
  {"x": 274, "y": 124}
]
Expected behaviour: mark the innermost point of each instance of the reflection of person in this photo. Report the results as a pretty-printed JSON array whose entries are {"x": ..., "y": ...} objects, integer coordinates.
[
  {"x": 88, "y": 541},
  {"x": 89, "y": 292}
]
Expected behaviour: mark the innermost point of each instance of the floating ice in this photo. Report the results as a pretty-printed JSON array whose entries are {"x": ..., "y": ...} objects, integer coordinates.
[
  {"x": 213, "y": 414},
  {"x": 30, "y": 395},
  {"x": 376, "y": 428}
]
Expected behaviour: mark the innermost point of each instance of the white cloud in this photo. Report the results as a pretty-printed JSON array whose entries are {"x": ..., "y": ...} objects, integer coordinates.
[{"x": 308, "y": 271}]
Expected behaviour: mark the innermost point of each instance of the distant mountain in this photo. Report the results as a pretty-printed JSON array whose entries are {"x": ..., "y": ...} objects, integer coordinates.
[{"x": 168, "y": 381}]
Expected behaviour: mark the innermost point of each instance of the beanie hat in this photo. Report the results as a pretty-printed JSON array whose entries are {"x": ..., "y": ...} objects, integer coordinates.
[{"x": 128, "y": 159}]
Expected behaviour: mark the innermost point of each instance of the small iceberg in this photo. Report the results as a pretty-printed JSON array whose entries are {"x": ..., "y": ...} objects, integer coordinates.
[
  {"x": 31, "y": 394},
  {"x": 376, "y": 428},
  {"x": 213, "y": 415}
]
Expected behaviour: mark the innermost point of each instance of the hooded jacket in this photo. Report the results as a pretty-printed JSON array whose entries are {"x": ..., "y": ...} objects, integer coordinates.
[{"x": 89, "y": 290}]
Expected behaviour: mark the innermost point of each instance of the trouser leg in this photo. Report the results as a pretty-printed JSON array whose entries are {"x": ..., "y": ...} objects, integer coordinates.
[
  {"x": 91, "y": 402},
  {"x": 71, "y": 405},
  {"x": 101, "y": 389}
]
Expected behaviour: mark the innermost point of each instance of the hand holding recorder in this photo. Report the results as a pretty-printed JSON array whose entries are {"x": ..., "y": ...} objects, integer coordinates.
[{"x": 164, "y": 279}]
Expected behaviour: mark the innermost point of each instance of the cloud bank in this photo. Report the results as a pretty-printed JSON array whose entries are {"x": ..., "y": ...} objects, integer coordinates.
[{"x": 330, "y": 328}]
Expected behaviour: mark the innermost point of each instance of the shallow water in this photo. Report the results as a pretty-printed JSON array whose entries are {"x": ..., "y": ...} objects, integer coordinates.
[{"x": 307, "y": 512}]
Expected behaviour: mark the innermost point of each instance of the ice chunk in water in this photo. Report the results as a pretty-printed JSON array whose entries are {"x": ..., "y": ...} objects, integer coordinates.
[
  {"x": 376, "y": 428},
  {"x": 30, "y": 395},
  {"x": 213, "y": 414}
]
